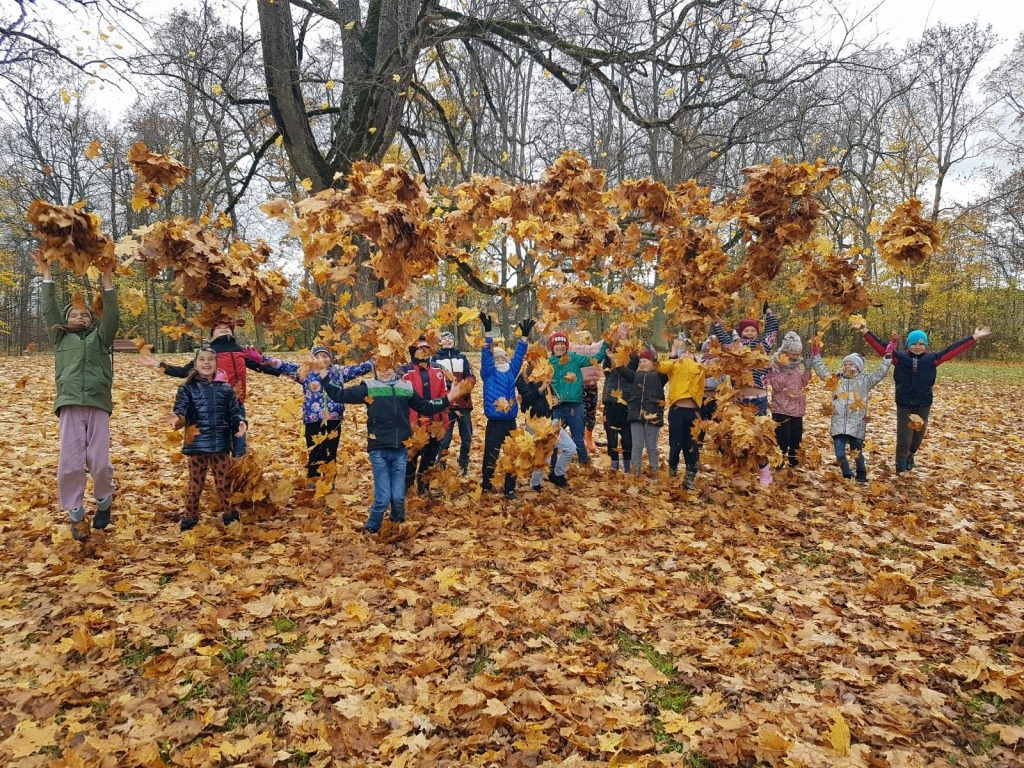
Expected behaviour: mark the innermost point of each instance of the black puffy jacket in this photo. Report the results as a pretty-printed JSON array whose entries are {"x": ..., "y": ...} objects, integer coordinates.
[{"x": 214, "y": 408}]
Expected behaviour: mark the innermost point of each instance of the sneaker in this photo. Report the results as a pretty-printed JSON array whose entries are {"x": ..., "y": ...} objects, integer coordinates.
[
  {"x": 535, "y": 487},
  {"x": 79, "y": 530},
  {"x": 910, "y": 462},
  {"x": 862, "y": 479},
  {"x": 370, "y": 531},
  {"x": 102, "y": 517},
  {"x": 901, "y": 467},
  {"x": 510, "y": 495},
  {"x": 558, "y": 480},
  {"x": 230, "y": 517},
  {"x": 397, "y": 519},
  {"x": 188, "y": 523}
]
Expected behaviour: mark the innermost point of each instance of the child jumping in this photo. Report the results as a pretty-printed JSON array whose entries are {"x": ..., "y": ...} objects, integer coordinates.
[
  {"x": 787, "y": 377},
  {"x": 388, "y": 399},
  {"x": 209, "y": 411},
  {"x": 500, "y": 405},
  {"x": 914, "y": 373},
  {"x": 84, "y": 372},
  {"x": 850, "y": 406},
  {"x": 321, "y": 416}
]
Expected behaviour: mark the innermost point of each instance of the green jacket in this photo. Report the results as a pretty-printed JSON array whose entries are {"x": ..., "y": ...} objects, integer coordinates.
[
  {"x": 83, "y": 363},
  {"x": 571, "y": 390}
]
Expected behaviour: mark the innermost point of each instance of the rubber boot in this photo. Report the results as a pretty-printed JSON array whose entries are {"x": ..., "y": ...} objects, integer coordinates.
[
  {"x": 844, "y": 465},
  {"x": 625, "y": 466},
  {"x": 689, "y": 483}
]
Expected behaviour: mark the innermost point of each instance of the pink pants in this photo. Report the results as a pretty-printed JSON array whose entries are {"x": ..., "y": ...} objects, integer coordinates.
[{"x": 84, "y": 446}]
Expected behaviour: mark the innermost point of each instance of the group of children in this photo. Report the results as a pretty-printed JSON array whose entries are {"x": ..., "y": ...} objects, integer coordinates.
[{"x": 434, "y": 391}]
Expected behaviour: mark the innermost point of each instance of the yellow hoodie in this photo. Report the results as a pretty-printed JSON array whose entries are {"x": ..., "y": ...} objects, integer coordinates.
[{"x": 685, "y": 379}]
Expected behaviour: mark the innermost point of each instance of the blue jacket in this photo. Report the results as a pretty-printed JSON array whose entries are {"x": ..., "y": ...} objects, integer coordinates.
[
  {"x": 317, "y": 407},
  {"x": 214, "y": 408},
  {"x": 498, "y": 384},
  {"x": 915, "y": 374}
]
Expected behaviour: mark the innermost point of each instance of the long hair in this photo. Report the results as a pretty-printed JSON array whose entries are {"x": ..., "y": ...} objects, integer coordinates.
[{"x": 194, "y": 373}]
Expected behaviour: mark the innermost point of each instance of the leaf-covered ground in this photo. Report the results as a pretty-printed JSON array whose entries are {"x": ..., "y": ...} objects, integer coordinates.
[{"x": 817, "y": 623}]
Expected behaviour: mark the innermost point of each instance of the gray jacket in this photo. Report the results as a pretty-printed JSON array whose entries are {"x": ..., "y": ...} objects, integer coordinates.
[{"x": 850, "y": 398}]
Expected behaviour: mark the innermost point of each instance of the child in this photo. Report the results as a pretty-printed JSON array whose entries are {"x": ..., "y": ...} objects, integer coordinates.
[
  {"x": 232, "y": 358},
  {"x": 646, "y": 410},
  {"x": 914, "y": 372},
  {"x": 211, "y": 407},
  {"x": 850, "y": 406},
  {"x": 686, "y": 382},
  {"x": 321, "y": 416},
  {"x": 456, "y": 367},
  {"x": 615, "y": 399},
  {"x": 567, "y": 386},
  {"x": 753, "y": 395},
  {"x": 84, "y": 372},
  {"x": 591, "y": 376},
  {"x": 388, "y": 399},
  {"x": 428, "y": 382},
  {"x": 500, "y": 405},
  {"x": 787, "y": 378},
  {"x": 533, "y": 395}
]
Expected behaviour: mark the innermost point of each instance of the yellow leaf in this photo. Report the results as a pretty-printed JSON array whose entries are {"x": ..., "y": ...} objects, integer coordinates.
[
  {"x": 216, "y": 90},
  {"x": 839, "y": 735},
  {"x": 396, "y": 77},
  {"x": 279, "y": 141},
  {"x": 306, "y": 184},
  {"x": 371, "y": 129},
  {"x": 93, "y": 150},
  {"x": 65, "y": 96},
  {"x": 350, "y": 25},
  {"x": 329, "y": 85}
]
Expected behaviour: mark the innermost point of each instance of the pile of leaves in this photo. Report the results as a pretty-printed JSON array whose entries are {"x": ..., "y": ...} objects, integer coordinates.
[
  {"x": 71, "y": 236},
  {"x": 907, "y": 238},
  {"x": 813, "y": 623}
]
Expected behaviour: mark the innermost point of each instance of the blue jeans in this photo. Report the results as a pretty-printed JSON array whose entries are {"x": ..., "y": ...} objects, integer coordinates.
[
  {"x": 388, "y": 466},
  {"x": 573, "y": 416},
  {"x": 465, "y": 421},
  {"x": 840, "y": 443}
]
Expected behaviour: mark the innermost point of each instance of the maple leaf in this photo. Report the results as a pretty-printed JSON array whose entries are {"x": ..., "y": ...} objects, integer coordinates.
[
  {"x": 192, "y": 431},
  {"x": 915, "y": 422},
  {"x": 503, "y": 405},
  {"x": 839, "y": 735}
]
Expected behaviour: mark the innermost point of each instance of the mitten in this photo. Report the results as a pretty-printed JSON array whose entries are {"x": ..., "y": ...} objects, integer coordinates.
[
  {"x": 485, "y": 321},
  {"x": 890, "y": 348},
  {"x": 251, "y": 353}
]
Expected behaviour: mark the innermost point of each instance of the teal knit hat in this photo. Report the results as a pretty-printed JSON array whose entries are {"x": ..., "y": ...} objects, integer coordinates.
[{"x": 917, "y": 336}]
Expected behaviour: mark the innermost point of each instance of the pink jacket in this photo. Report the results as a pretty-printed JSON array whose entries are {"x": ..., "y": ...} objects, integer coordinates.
[
  {"x": 787, "y": 385},
  {"x": 591, "y": 373}
]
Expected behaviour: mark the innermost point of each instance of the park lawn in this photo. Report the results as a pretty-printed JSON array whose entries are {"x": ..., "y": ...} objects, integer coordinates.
[{"x": 813, "y": 623}]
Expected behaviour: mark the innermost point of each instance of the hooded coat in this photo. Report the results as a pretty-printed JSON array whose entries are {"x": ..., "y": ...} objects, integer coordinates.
[
  {"x": 83, "y": 361},
  {"x": 850, "y": 398}
]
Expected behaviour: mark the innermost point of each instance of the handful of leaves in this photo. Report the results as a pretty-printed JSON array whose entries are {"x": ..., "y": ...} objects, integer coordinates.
[{"x": 71, "y": 236}]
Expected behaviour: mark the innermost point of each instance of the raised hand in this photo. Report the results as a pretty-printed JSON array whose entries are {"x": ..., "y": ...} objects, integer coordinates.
[
  {"x": 890, "y": 348},
  {"x": 526, "y": 326},
  {"x": 242, "y": 429},
  {"x": 485, "y": 321},
  {"x": 981, "y": 333}
]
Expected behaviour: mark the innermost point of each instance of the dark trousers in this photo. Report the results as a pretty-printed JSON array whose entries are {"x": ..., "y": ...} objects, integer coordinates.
[
  {"x": 789, "y": 433},
  {"x": 616, "y": 429},
  {"x": 322, "y": 443},
  {"x": 421, "y": 461},
  {"x": 464, "y": 419},
  {"x": 494, "y": 435},
  {"x": 590, "y": 405},
  {"x": 909, "y": 440},
  {"x": 680, "y": 437}
]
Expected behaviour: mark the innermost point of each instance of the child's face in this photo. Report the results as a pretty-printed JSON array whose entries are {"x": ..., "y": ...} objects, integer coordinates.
[
  {"x": 322, "y": 359},
  {"x": 206, "y": 363},
  {"x": 447, "y": 342},
  {"x": 221, "y": 330},
  {"x": 79, "y": 317},
  {"x": 385, "y": 374},
  {"x": 645, "y": 364},
  {"x": 560, "y": 348},
  {"x": 849, "y": 370},
  {"x": 748, "y": 332},
  {"x": 500, "y": 357},
  {"x": 918, "y": 348}
]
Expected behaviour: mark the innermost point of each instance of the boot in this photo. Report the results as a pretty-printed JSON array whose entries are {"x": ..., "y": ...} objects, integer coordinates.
[
  {"x": 102, "y": 517},
  {"x": 625, "y": 466},
  {"x": 689, "y": 483},
  {"x": 672, "y": 471},
  {"x": 591, "y": 448},
  {"x": 615, "y": 465},
  {"x": 764, "y": 475},
  {"x": 910, "y": 462},
  {"x": 901, "y": 467},
  {"x": 844, "y": 465}
]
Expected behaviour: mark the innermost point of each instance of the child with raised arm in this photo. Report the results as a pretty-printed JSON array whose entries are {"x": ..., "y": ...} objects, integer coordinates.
[
  {"x": 388, "y": 399},
  {"x": 615, "y": 401},
  {"x": 321, "y": 416},
  {"x": 787, "y": 377},
  {"x": 429, "y": 382},
  {"x": 753, "y": 395},
  {"x": 456, "y": 367},
  {"x": 533, "y": 396},
  {"x": 207, "y": 407},
  {"x": 84, "y": 373},
  {"x": 501, "y": 407},
  {"x": 850, "y": 406},
  {"x": 567, "y": 387},
  {"x": 646, "y": 410},
  {"x": 914, "y": 372}
]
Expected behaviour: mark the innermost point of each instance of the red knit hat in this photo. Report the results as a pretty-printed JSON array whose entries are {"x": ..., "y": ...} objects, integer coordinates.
[
  {"x": 556, "y": 338},
  {"x": 748, "y": 323},
  {"x": 647, "y": 353}
]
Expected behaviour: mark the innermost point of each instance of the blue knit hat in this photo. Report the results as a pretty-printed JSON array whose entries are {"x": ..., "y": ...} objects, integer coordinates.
[
  {"x": 317, "y": 348},
  {"x": 917, "y": 336}
]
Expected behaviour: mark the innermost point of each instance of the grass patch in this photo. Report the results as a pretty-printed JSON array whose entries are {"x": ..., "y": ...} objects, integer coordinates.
[
  {"x": 137, "y": 656},
  {"x": 581, "y": 632},
  {"x": 481, "y": 661},
  {"x": 983, "y": 370},
  {"x": 283, "y": 624},
  {"x": 966, "y": 577},
  {"x": 895, "y": 551}
]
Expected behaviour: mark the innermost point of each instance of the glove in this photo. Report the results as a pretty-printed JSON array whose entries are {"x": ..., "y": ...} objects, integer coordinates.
[
  {"x": 890, "y": 348},
  {"x": 765, "y": 309},
  {"x": 525, "y": 326},
  {"x": 815, "y": 350},
  {"x": 253, "y": 354},
  {"x": 485, "y": 321}
]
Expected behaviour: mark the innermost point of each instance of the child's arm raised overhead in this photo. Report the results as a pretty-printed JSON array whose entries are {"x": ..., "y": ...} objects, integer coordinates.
[
  {"x": 878, "y": 374},
  {"x": 818, "y": 364},
  {"x": 111, "y": 311},
  {"x": 962, "y": 345}
]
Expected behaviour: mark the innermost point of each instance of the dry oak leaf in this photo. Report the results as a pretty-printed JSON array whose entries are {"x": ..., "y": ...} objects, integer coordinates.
[{"x": 915, "y": 422}]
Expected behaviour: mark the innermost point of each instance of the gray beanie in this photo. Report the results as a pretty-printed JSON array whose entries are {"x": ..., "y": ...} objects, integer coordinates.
[
  {"x": 857, "y": 360},
  {"x": 791, "y": 344}
]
